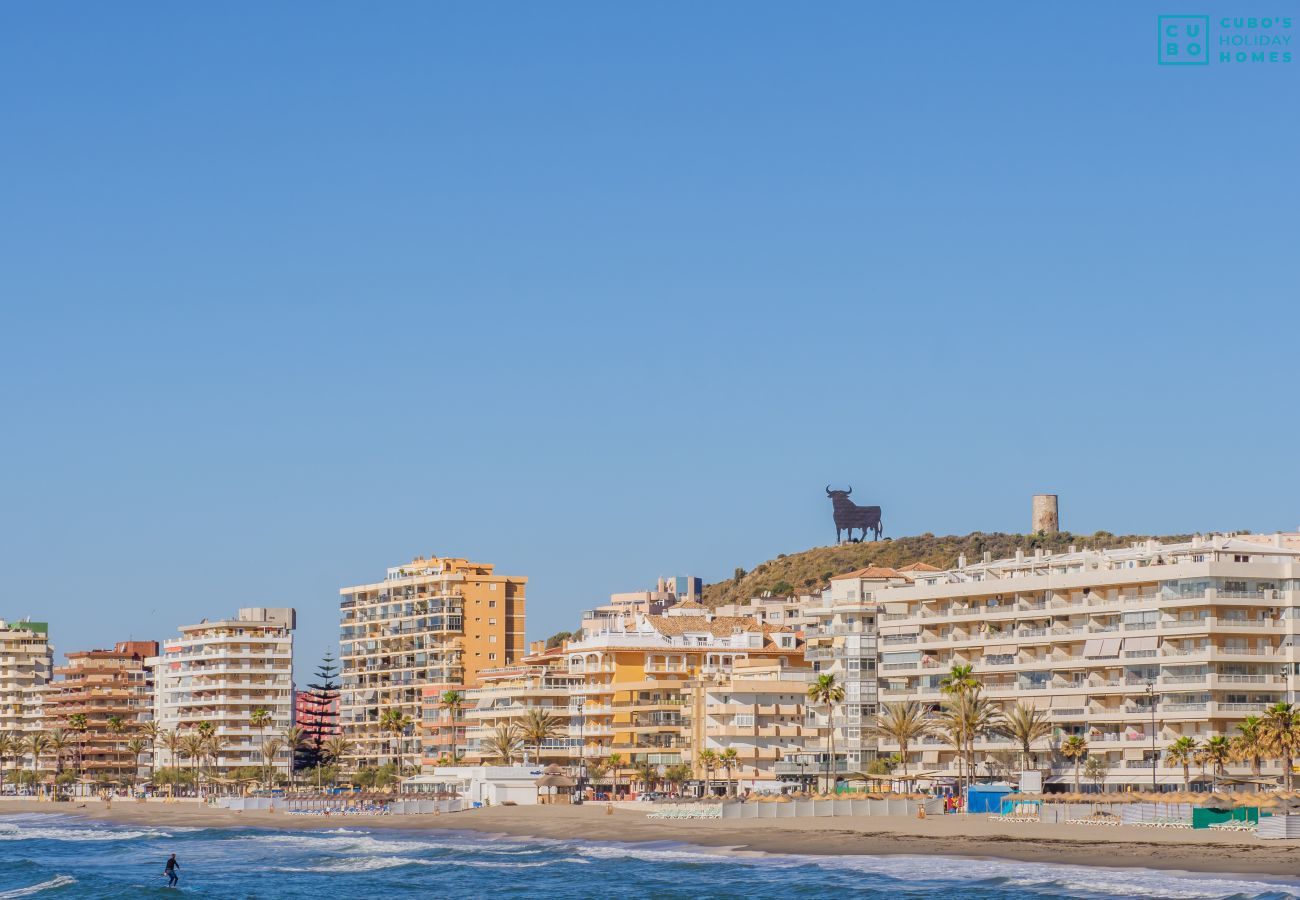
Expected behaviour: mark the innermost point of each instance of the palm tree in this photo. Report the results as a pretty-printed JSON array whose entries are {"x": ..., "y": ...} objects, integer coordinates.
[
  {"x": 453, "y": 702},
  {"x": 270, "y": 750},
  {"x": 150, "y": 732},
  {"x": 260, "y": 720},
  {"x": 1183, "y": 752},
  {"x": 173, "y": 741},
  {"x": 959, "y": 680},
  {"x": 647, "y": 774},
  {"x": 1248, "y": 745},
  {"x": 903, "y": 722},
  {"x": 1024, "y": 725},
  {"x": 614, "y": 762},
  {"x": 337, "y": 749},
  {"x": 294, "y": 739},
  {"x": 36, "y": 744},
  {"x": 78, "y": 725},
  {"x": 596, "y": 770},
  {"x": 827, "y": 691},
  {"x": 60, "y": 741},
  {"x": 136, "y": 746},
  {"x": 9, "y": 748},
  {"x": 966, "y": 715},
  {"x": 395, "y": 722},
  {"x": 1217, "y": 752},
  {"x": 115, "y": 726},
  {"x": 677, "y": 775},
  {"x": 1075, "y": 748},
  {"x": 537, "y": 728},
  {"x": 504, "y": 743},
  {"x": 709, "y": 762},
  {"x": 729, "y": 759},
  {"x": 193, "y": 746},
  {"x": 1279, "y": 732}
]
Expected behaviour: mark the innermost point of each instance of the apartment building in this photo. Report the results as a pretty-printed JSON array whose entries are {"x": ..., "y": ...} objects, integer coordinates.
[
  {"x": 106, "y": 687},
  {"x": 223, "y": 671},
  {"x": 430, "y": 626},
  {"x": 635, "y": 682},
  {"x": 779, "y": 612},
  {"x": 757, "y": 710},
  {"x": 681, "y": 591},
  {"x": 844, "y": 642},
  {"x": 540, "y": 681},
  {"x": 1130, "y": 648},
  {"x": 26, "y": 666}
]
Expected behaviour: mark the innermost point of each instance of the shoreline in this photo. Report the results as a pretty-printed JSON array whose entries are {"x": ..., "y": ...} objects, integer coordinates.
[{"x": 1111, "y": 847}]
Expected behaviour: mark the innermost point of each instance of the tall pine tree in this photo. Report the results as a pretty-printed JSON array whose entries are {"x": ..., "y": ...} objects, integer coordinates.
[{"x": 319, "y": 714}]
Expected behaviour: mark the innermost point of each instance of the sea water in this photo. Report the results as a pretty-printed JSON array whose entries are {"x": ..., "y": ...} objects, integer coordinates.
[{"x": 61, "y": 856}]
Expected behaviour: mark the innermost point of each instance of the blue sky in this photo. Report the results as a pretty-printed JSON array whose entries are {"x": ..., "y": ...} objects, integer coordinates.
[{"x": 599, "y": 292}]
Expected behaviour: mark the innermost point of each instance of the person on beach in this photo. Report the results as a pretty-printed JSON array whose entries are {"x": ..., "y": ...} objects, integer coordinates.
[{"x": 170, "y": 870}]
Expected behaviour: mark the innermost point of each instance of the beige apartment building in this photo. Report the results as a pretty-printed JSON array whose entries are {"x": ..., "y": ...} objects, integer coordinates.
[
  {"x": 758, "y": 710},
  {"x": 26, "y": 666},
  {"x": 104, "y": 686},
  {"x": 430, "y": 626},
  {"x": 539, "y": 681},
  {"x": 1130, "y": 648},
  {"x": 222, "y": 672}
]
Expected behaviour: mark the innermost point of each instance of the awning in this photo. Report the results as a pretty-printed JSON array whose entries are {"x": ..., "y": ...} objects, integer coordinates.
[
  {"x": 1141, "y": 643},
  {"x": 901, "y": 629},
  {"x": 1135, "y": 752},
  {"x": 1062, "y": 701},
  {"x": 1096, "y": 647},
  {"x": 896, "y": 609},
  {"x": 999, "y": 649},
  {"x": 1092, "y": 647}
]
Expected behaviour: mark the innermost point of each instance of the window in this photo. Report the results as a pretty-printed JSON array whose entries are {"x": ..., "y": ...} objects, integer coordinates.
[
  {"x": 492, "y": 604},
  {"x": 492, "y": 621}
]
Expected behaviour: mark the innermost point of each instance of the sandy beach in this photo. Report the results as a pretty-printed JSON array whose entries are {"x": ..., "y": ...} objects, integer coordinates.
[{"x": 973, "y": 836}]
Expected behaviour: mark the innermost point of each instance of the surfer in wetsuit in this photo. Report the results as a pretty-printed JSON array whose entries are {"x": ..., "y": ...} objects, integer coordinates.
[{"x": 170, "y": 870}]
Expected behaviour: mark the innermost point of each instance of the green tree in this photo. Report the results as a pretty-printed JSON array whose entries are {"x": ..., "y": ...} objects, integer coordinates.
[
  {"x": 1075, "y": 748},
  {"x": 729, "y": 759},
  {"x": 829, "y": 693},
  {"x": 270, "y": 750},
  {"x": 708, "y": 762},
  {"x": 677, "y": 775},
  {"x": 1182, "y": 752},
  {"x": 504, "y": 744},
  {"x": 1095, "y": 771},
  {"x": 116, "y": 726},
  {"x": 1025, "y": 725},
  {"x": 453, "y": 702},
  {"x": 538, "y": 727},
  {"x": 36, "y": 745},
  {"x": 1279, "y": 732},
  {"x": 1248, "y": 744},
  {"x": 903, "y": 722},
  {"x": 1218, "y": 753},
  {"x": 10, "y": 747},
  {"x": 135, "y": 747},
  {"x": 294, "y": 740},
  {"x": 395, "y": 722},
  {"x": 614, "y": 762}
]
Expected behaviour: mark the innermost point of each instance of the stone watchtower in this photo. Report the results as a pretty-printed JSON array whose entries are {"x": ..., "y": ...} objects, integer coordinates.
[{"x": 1046, "y": 517}]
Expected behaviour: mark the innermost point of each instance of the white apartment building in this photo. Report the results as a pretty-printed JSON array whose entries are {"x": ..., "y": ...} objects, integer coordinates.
[
  {"x": 1192, "y": 636},
  {"x": 223, "y": 671},
  {"x": 779, "y": 612},
  {"x": 26, "y": 666}
]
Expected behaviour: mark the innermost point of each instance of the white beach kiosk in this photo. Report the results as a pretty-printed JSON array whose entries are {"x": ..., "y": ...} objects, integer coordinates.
[{"x": 479, "y": 785}]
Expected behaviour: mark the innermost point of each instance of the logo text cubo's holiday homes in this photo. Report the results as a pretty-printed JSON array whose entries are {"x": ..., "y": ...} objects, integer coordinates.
[{"x": 1199, "y": 40}]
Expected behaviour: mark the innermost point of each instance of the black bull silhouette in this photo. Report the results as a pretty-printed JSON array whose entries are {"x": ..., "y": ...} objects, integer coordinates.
[{"x": 848, "y": 516}]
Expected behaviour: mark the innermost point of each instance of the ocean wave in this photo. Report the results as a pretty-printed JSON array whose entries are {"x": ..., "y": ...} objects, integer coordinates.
[
  {"x": 57, "y": 881},
  {"x": 373, "y": 863},
  {"x": 11, "y": 832}
]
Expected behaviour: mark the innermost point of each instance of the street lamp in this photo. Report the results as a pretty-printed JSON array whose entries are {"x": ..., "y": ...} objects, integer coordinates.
[{"x": 1151, "y": 702}]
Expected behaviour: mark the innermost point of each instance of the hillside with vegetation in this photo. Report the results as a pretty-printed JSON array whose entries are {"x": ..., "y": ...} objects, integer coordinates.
[{"x": 809, "y": 571}]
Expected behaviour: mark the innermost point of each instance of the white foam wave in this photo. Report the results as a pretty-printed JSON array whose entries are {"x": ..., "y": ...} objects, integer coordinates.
[
  {"x": 57, "y": 881},
  {"x": 11, "y": 832},
  {"x": 373, "y": 863}
]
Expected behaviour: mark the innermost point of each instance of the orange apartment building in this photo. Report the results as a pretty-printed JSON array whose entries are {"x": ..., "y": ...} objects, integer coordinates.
[
  {"x": 102, "y": 685},
  {"x": 430, "y": 626}
]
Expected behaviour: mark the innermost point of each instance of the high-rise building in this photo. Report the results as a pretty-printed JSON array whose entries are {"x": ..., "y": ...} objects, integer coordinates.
[
  {"x": 26, "y": 666},
  {"x": 430, "y": 626},
  {"x": 222, "y": 672},
  {"x": 112, "y": 690}
]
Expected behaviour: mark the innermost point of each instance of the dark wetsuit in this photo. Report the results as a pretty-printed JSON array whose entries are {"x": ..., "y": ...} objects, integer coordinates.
[{"x": 170, "y": 871}]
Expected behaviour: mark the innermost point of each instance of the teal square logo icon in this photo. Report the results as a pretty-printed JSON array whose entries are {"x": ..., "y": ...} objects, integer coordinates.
[{"x": 1184, "y": 40}]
